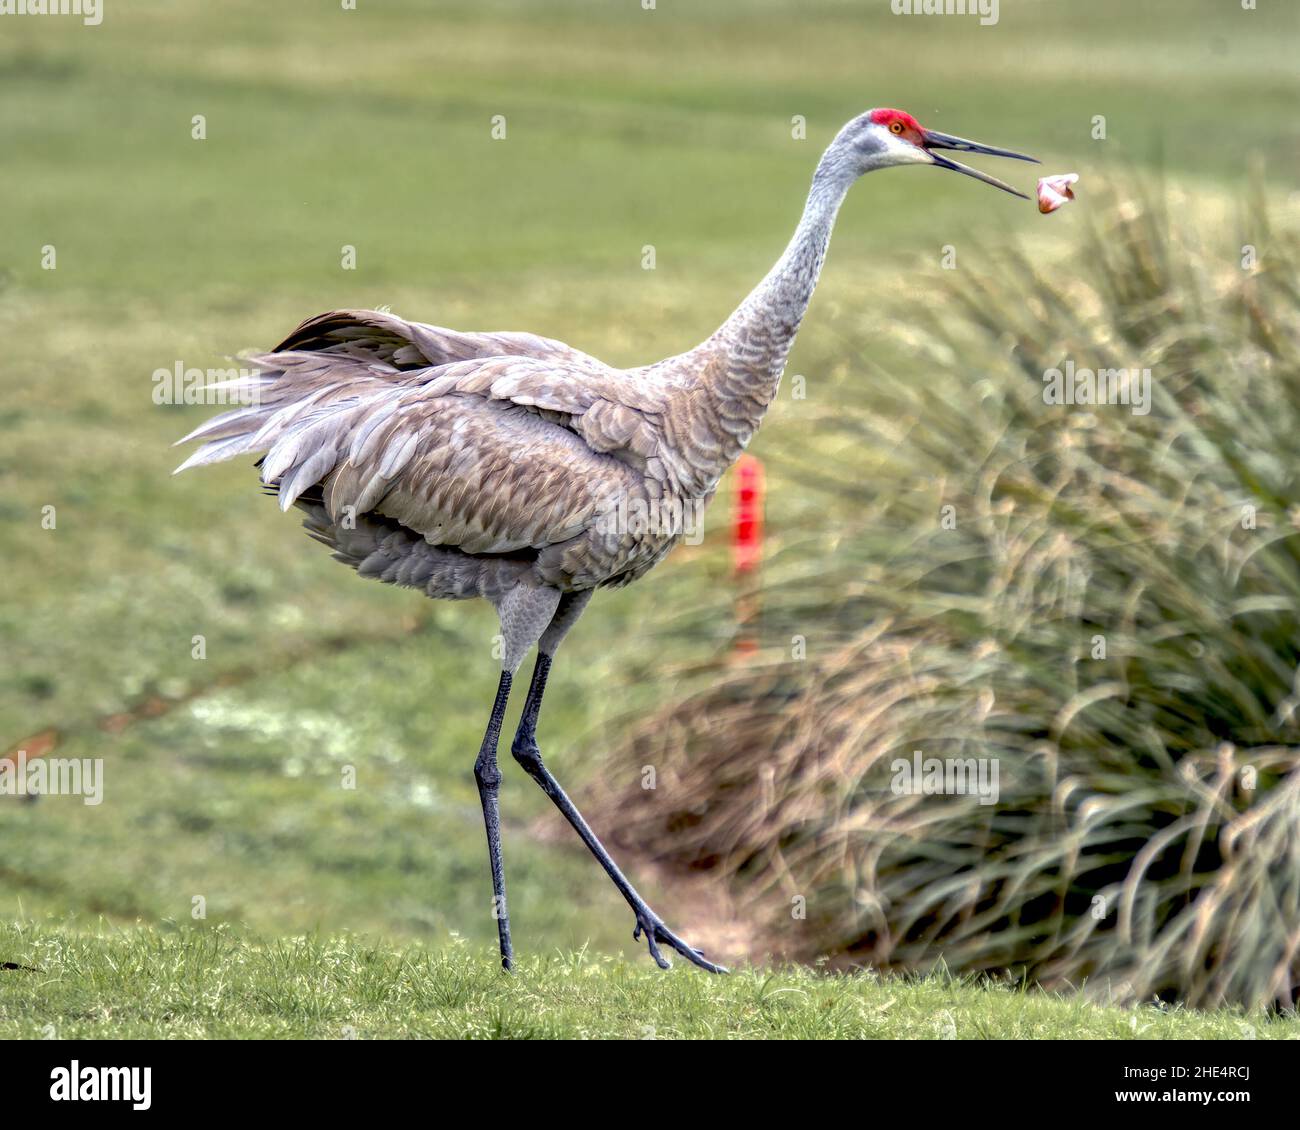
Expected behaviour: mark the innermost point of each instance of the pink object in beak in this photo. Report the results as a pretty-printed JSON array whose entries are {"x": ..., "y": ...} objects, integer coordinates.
[{"x": 1055, "y": 191}]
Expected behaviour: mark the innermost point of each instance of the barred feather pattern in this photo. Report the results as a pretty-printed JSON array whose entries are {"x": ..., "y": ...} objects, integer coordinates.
[{"x": 469, "y": 464}]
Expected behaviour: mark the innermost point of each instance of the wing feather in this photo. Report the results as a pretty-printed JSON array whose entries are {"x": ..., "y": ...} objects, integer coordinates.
[{"x": 494, "y": 443}]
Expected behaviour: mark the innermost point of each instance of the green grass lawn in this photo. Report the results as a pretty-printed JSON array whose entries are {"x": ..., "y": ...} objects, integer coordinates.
[
  {"x": 370, "y": 129},
  {"x": 152, "y": 984}
]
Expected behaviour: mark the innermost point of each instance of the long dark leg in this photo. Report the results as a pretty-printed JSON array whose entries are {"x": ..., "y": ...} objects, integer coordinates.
[
  {"x": 488, "y": 778},
  {"x": 525, "y": 750}
]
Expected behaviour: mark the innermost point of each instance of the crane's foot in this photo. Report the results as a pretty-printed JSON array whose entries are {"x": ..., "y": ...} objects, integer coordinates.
[{"x": 656, "y": 932}]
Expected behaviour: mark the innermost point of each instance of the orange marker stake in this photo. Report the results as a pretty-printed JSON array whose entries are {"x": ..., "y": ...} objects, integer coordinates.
[{"x": 747, "y": 548}]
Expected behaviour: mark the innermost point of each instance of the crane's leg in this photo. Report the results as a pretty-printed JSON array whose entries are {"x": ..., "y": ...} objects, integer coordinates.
[
  {"x": 524, "y": 748},
  {"x": 525, "y": 613},
  {"x": 488, "y": 778}
]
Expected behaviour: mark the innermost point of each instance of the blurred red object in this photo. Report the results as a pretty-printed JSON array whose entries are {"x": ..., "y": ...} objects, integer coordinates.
[{"x": 747, "y": 516}]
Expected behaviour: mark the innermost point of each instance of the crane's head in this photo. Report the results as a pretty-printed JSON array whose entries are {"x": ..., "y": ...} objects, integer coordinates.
[{"x": 880, "y": 139}]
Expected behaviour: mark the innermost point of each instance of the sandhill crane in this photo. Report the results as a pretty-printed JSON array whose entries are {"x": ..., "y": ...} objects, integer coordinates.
[{"x": 502, "y": 465}]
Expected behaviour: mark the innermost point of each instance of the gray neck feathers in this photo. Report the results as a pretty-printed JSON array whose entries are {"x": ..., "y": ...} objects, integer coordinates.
[
  {"x": 761, "y": 331},
  {"x": 746, "y": 355}
]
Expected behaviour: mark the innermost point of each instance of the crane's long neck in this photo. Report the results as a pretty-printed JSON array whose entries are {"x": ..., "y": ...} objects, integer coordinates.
[{"x": 746, "y": 355}]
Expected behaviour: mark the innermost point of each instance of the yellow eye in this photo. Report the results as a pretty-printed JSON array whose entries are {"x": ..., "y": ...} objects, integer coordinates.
[{"x": 897, "y": 127}]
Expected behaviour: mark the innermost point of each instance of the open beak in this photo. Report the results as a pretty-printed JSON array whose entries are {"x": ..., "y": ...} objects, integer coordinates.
[{"x": 932, "y": 141}]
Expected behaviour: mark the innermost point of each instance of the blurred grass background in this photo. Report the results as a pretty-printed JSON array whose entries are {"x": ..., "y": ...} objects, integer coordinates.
[{"x": 371, "y": 128}]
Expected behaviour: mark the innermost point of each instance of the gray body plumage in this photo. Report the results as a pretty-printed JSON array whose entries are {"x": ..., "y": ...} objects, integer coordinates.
[{"x": 504, "y": 465}]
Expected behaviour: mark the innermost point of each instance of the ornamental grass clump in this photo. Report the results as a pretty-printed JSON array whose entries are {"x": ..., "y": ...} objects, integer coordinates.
[{"x": 1095, "y": 605}]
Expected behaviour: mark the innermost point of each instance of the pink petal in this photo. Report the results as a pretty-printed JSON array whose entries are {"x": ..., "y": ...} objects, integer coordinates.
[{"x": 1055, "y": 191}]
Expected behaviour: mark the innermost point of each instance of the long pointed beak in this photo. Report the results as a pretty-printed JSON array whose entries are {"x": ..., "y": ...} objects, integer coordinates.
[{"x": 933, "y": 140}]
